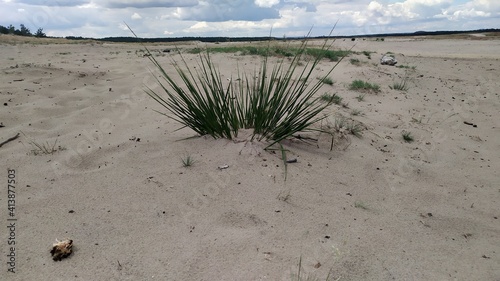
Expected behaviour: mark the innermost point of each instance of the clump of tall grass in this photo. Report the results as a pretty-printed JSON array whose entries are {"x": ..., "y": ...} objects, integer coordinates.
[
  {"x": 277, "y": 101},
  {"x": 360, "y": 85}
]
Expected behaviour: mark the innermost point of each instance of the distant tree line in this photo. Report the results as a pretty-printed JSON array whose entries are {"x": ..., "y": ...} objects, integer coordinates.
[
  {"x": 247, "y": 39},
  {"x": 22, "y": 31}
]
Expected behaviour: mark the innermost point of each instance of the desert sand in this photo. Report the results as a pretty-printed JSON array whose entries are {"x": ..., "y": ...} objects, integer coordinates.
[{"x": 372, "y": 208}]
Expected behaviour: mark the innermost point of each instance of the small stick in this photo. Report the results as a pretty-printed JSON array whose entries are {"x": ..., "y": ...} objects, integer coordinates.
[{"x": 9, "y": 140}]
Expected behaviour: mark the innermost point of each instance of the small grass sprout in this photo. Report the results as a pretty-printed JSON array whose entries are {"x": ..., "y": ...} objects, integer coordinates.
[
  {"x": 355, "y": 61},
  {"x": 360, "y": 97},
  {"x": 187, "y": 160},
  {"x": 356, "y": 112},
  {"x": 326, "y": 80},
  {"x": 402, "y": 85},
  {"x": 44, "y": 148},
  {"x": 407, "y": 136}
]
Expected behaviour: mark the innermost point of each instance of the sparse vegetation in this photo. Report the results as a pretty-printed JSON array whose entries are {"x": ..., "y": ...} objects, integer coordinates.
[
  {"x": 44, "y": 148},
  {"x": 275, "y": 103},
  {"x": 360, "y": 85},
  {"x": 402, "y": 85},
  {"x": 355, "y": 129},
  {"x": 326, "y": 80},
  {"x": 360, "y": 205},
  {"x": 187, "y": 161},
  {"x": 277, "y": 51},
  {"x": 356, "y": 112},
  {"x": 355, "y": 61},
  {"x": 367, "y": 54},
  {"x": 407, "y": 136},
  {"x": 344, "y": 125},
  {"x": 360, "y": 97},
  {"x": 417, "y": 120},
  {"x": 336, "y": 99},
  {"x": 407, "y": 67}
]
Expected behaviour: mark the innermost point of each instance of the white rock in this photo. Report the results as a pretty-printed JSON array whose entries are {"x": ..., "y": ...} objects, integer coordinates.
[{"x": 388, "y": 59}]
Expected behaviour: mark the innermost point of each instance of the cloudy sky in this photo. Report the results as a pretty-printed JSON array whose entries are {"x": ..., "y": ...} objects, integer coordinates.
[{"x": 176, "y": 18}]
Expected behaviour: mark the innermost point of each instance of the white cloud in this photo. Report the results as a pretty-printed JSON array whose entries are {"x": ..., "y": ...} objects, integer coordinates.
[
  {"x": 199, "y": 26},
  {"x": 147, "y": 3},
  {"x": 149, "y": 18},
  {"x": 266, "y": 3}
]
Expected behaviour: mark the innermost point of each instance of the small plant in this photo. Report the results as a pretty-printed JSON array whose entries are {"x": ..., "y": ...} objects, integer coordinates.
[
  {"x": 345, "y": 126},
  {"x": 187, "y": 161},
  {"x": 407, "y": 137},
  {"x": 361, "y": 97},
  {"x": 355, "y": 129},
  {"x": 367, "y": 54},
  {"x": 407, "y": 67},
  {"x": 326, "y": 80},
  {"x": 402, "y": 85},
  {"x": 44, "y": 148},
  {"x": 275, "y": 105},
  {"x": 355, "y": 62},
  {"x": 356, "y": 112},
  {"x": 336, "y": 99},
  {"x": 360, "y": 205},
  {"x": 360, "y": 85},
  {"x": 417, "y": 120}
]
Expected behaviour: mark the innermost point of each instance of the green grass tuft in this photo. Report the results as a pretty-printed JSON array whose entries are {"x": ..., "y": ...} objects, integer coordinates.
[
  {"x": 336, "y": 99},
  {"x": 361, "y": 97},
  {"x": 407, "y": 137},
  {"x": 356, "y": 62},
  {"x": 360, "y": 85},
  {"x": 356, "y": 112},
  {"x": 402, "y": 85},
  {"x": 326, "y": 80},
  {"x": 276, "y": 101},
  {"x": 407, "y": 67},
  {"x": 187, "y": 161}
]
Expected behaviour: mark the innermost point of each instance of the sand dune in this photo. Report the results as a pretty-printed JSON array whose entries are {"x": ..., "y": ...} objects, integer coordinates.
[{"x": 373, "y": 208}]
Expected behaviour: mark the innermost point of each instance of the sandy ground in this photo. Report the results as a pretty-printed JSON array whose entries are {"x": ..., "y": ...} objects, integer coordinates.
[{"x": 373, "y": 208}]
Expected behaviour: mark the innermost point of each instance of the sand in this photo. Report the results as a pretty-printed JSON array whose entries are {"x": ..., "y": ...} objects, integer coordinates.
[{"x": 373, "y": 208}]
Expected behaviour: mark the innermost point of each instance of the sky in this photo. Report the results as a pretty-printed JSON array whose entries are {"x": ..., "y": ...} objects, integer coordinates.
[{"x": 246, "y": 18}]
